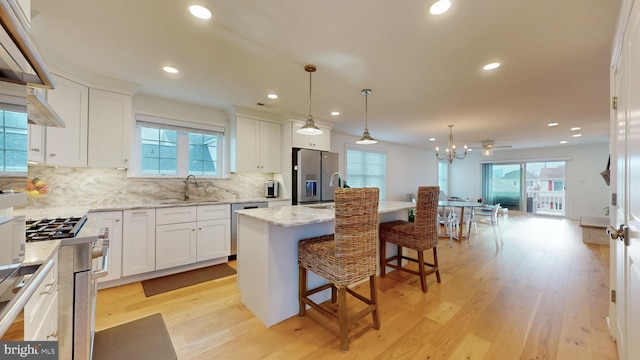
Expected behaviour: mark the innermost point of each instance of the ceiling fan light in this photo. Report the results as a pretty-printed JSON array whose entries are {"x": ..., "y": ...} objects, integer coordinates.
[{"x": 487, "y": 152}]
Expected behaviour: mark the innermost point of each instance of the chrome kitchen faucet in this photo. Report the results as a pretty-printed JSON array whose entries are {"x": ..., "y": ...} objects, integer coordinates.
[{"x": 186, "y": 186}]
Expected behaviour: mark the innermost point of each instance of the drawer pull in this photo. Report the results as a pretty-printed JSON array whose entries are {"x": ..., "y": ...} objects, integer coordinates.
[{"x": 51, "y": 287}]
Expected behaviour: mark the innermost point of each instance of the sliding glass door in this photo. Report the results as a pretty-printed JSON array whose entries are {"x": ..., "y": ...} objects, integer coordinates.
[
  {"x": 502, "y": 184},
  {"x": 534, "y": 187}
]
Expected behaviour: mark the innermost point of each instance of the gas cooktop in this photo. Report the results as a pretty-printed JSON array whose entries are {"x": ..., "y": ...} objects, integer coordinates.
[{"x": 50, "y": 229}]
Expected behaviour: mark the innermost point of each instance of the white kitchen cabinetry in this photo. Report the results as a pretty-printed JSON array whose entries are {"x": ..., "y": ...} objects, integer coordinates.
[
  {"x": 175, "y": 236},
  {"x": 138, "y": 241},
  {"x": 41, "y": 311},
  {"x": 68, "y": 146},
  {"x": 316, "y": 142},
  {"x": 214, "y": 232},
  {"x": 113, "y": 221},
  {"x": 36, "y": 144},
  {"x": 255, "y": 146},
  {"x": 109, "y": 128},
  {"x": 188, "y": 234}
]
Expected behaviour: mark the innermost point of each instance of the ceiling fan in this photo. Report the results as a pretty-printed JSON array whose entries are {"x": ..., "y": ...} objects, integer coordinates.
[{"x": 487, "y": 147}]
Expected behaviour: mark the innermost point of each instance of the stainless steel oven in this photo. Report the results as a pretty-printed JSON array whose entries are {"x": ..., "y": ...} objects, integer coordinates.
[
  {"x": 82, "y": 240},
  {"x": 77, "y": 292}
]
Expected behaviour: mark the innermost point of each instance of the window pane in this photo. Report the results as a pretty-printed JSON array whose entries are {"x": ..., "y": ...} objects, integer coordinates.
[
  {"x": 367, "y": 169},
  {"x": 203, "y": 154},
  {"x": 13, "y": 141},
  {"x": 159, "y": 151}
]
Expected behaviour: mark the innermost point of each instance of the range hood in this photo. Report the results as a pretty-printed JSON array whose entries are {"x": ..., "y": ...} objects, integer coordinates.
[
  {"x": 39, "y": 111},
  {"x": 19, "y": 60}
]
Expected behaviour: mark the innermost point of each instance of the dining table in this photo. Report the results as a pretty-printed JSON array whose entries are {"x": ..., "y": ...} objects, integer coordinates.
[{"x": 461, "y": 205}]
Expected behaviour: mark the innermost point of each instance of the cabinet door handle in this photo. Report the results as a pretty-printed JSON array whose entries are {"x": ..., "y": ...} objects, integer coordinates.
[
  {"x": 51, "y": 287},
  {"x": 35, "y": 149},
  {"x": 52, "y": 154}
]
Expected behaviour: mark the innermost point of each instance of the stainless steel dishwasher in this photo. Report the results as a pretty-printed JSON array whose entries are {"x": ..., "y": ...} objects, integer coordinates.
[{"x": 234, "y": 222}]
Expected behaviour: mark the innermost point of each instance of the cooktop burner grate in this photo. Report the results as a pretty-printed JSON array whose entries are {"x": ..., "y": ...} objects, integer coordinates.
[{"x": 50, "y": 229}]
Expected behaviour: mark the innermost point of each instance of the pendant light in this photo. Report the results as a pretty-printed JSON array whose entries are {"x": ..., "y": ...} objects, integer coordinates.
[
  {"x": 366, "y": 138},
  {"x": 309, "y": 127}
]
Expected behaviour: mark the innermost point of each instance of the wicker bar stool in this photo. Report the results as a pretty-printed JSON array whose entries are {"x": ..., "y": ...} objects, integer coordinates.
[
  {"x": 345, "y": 257},
  {"x": 420, "y": 235}
]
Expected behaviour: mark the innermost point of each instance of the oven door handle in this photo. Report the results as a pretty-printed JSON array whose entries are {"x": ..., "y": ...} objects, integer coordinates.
[
  {"x": 104, "y": 271},
  {"x": 13, "y": 308}
]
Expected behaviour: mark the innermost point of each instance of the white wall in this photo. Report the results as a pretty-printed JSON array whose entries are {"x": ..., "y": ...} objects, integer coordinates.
[
  {"x": 586, "y": 191},
  {"x": 407, "y": 167}
]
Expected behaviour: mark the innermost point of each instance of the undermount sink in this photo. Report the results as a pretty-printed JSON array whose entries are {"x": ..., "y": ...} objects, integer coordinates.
[{"x": 190, "y": 201}]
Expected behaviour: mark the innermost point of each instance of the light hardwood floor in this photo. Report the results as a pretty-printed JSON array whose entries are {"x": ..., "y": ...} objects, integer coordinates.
[{"x": 544, "y": 295}]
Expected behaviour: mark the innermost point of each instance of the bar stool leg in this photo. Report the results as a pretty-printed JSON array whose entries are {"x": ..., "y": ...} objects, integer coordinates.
[
  {"x": 342, "y": 318},
  {"x": 423, "y": 275},
  {"x": 383, "y": 258},
  {"x": 302, "y": 288}
]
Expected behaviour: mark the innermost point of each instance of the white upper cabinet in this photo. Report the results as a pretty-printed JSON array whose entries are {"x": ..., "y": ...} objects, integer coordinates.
[
  {"x": 255, "y": 145},
  {"x": 68, "y": 146},
  {"x": 109, "y": 128},
  {"x": 316, "y": 142},
  {"x": 36, "y": 144}
]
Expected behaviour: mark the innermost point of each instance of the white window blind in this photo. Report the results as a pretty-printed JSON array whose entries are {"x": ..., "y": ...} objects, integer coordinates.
[{"x": 367, "y": 168}]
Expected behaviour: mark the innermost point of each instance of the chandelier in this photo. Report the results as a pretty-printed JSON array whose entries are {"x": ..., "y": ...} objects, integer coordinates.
[
  {"x": 366, "y": 138},
  {"x": 450, "y": 152},
  {"x": 309, "y": 127}
]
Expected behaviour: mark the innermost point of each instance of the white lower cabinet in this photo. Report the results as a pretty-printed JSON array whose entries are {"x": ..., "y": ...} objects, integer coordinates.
[
  {"x": 214, "y": 231},
  {"x": 188, "y": 234},
  {"x": 113, "y": 221},
  {"x": 175, "y": 245},
  {"x": 41, "y": 311},
  {"x": 138, "y": 241},
  {"x": 214, "y": 239}
]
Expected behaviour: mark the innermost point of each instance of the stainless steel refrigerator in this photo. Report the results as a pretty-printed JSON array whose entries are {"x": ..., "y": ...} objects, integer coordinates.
[{"x": 312, "y": 170}]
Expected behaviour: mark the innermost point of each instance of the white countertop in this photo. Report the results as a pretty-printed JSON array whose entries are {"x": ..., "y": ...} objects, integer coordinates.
[
  {"x": 34, "y": 212},
  {"x": 288, "y": 216},
  {"x": 39, "y": 252}
]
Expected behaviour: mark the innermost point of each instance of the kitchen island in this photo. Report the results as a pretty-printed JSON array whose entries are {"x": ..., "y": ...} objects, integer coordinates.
[{"x": 268, "y": 254}]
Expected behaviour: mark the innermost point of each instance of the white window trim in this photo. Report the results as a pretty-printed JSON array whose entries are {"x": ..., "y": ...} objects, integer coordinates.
[{"x": 182, "y": 150}]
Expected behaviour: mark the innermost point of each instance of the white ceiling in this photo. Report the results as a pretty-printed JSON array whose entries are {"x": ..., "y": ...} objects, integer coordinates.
[{"x": 424, "y": 70}]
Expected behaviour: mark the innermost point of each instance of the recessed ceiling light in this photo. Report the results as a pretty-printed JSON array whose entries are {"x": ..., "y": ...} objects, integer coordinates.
[
  {"x": 576, "y": 128},
  {"x": 432, "y": 139},
  {"x": 491, "y": 66},
  {"x": 200, "y": 12},
  {"x": 272, "y": 96},
  {"x": 440, "y": 7},
  {"x": 335, "y": 113},
  {"x": 170, "y": 69},
  {"x": 577, "y": 135},
  {"x": 563, "y": 142},
  {"x": 552, "y": 124}
]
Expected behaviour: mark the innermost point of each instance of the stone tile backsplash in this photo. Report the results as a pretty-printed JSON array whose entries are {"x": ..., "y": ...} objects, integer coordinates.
[{"x": 102, "y": 188}]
